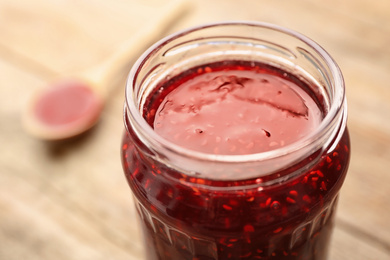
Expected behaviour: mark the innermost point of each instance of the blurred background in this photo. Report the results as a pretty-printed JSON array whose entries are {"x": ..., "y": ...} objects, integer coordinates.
[{"x": 70, "y": 200}]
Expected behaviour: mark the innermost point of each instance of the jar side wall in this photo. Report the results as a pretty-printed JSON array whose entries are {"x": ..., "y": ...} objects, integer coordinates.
[{"x": 293, "y": 212}]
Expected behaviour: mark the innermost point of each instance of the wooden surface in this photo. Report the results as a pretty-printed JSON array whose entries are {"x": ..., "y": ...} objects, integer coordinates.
[{"x": 71, "y": 200}]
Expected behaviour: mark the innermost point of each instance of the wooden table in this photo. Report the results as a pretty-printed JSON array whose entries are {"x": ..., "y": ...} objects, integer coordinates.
[{"x": 71, "y": 201}]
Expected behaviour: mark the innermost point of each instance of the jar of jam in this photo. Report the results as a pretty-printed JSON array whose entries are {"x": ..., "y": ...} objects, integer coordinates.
[{"x": 236, "y": 144}]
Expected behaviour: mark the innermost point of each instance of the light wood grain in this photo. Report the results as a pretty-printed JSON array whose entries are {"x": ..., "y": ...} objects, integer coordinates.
[{"x": 71, "y": 201}]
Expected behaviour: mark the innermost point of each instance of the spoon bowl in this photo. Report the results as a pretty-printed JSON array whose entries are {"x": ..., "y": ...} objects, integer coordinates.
[{"x": 66, "y": 109}]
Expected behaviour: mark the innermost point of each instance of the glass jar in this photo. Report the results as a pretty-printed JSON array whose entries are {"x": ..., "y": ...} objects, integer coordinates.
[{"x": 275, "y": 204}]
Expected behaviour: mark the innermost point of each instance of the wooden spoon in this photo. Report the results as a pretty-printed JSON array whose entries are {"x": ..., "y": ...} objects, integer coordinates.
[{"x": 71, "y": 106}]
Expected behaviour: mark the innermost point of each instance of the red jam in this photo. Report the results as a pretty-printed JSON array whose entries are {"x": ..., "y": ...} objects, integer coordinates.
[
  {"x": 235, "y": 108},
  {"x": 67, "y": 103}
]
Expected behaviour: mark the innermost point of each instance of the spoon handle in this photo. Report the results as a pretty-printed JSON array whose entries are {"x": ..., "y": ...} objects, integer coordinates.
[{"x": 102, "y": 76}]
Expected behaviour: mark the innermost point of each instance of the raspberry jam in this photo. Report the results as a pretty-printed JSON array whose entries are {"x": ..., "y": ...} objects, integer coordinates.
[
  {"x": 208, "y": 166},
  {"x": 233, "y": 108}
]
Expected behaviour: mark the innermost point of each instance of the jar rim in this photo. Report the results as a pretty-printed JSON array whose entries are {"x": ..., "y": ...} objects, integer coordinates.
[{"x": 157, "y": 142}]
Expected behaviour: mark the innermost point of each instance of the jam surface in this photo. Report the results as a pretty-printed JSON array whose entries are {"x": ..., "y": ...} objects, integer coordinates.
[
  {"x": 234, "y": 109},
  {"x": 188, "y": 218}
]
